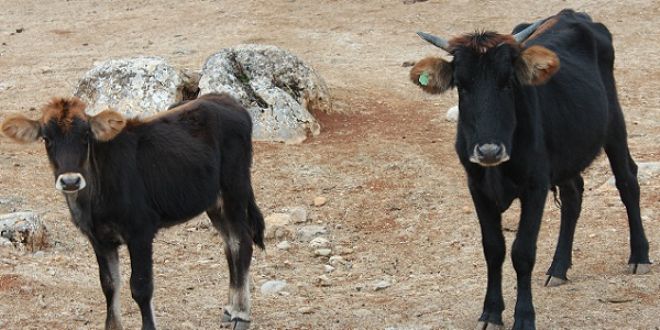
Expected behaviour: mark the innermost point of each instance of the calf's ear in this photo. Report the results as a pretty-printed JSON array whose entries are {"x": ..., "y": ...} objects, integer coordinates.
[
  {"x": 106, "y": 125},
  {"x": 21, "y": 129},
  {"x": 536, "y": 65},
  {"x": 433, "y": 74}
]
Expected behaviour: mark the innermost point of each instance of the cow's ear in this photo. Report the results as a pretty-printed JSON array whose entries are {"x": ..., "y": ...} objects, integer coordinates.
[
  {"x": 106, "y": 125},
  {"x": 536, "y": 65},
  {"x": 21, "y": 129},
  {"x": 433, "y": 74}
]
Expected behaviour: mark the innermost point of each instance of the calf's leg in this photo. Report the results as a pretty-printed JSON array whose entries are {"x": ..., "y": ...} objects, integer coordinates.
[
  {"x": 492, "y": 239},
  {"x": 231, "y": 222},
  {"x": 108, "y": 261},
  {"x": 570, "y": 194},
  {"x": 142, "y": 287}
]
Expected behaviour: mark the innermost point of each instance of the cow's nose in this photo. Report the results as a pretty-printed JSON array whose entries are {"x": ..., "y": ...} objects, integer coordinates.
[
  {"x": 489, "y": 154},
  {"x": 70, "y": 182}
]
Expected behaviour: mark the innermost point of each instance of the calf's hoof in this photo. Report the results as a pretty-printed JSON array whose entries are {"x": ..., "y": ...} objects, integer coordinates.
[
  {"x": 552, "y": 281},
  {"x": 226, "y": 317},
  {"x": 639, "y": 269},
  {"x": 239, "y": 324},
  {"x": 483, "y": 325}
]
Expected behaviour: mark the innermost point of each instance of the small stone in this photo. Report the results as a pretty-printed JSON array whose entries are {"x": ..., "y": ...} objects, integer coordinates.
[
  {"x": 336, "y": 260},
  {"x": 283, "y": 245},
  {"x": 343, "y": 250},
  {"x": 276, "y": 225},
  {"x": 306, "y": 310},
  {"x": 381, "y": 285},
  {"x": 452, "y": 114},
  {"x": 272, "y": 287},
  {"x": 298, "y": 214},
  {"x": 319, "y": 242},
  {"x": 406, "y": 64},
  {"x": 320, "y": 201},
  {"x": 323, "y": 280},
  {"x": 307, "y": 233},
  {"x": 328, "y": 268},
  {"x": 322, "y": 252}
]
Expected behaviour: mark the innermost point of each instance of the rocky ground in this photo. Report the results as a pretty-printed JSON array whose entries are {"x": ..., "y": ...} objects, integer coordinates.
[{"x": 381, "y": 186}]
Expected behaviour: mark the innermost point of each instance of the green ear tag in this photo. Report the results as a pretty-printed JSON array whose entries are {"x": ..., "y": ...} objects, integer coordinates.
[{"x": 424, "y": 79}]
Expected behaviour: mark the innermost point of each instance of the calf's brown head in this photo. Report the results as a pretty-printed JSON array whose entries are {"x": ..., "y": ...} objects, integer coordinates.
[{"x": 67, "y": 132}]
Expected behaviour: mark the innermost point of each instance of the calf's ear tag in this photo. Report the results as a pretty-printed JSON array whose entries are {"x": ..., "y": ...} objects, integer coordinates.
[{"x": 424, "y": 79}]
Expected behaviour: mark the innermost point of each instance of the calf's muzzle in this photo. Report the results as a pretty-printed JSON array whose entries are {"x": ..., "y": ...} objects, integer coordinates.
[{"x": 70, "y": 182}]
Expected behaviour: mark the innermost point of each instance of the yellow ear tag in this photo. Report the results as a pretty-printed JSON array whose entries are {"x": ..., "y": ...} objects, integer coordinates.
[{"x": 424, "y": 79}]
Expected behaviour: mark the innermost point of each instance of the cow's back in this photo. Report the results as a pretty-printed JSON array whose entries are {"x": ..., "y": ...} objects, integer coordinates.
[{"x": 574, "y": 103}]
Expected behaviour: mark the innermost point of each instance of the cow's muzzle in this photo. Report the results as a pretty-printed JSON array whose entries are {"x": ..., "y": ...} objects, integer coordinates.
[
  {"x": 70, "y": 182},
  {"x": 489, "y": 154}
]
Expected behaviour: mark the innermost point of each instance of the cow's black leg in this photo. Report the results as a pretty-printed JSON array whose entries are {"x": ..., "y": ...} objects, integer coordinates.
[
  {"x": 492, "y": 239},
  {"x": 108, "y": 261},
  {"x": 523, "y": 253},
  {"x": 142, "y": 287},
  {"x": 570, "y": 194},
  {"x": 625, "y": 173}
]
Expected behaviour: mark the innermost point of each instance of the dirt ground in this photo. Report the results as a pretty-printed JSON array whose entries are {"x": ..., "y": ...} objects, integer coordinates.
[{"x": 396, "y": 193}]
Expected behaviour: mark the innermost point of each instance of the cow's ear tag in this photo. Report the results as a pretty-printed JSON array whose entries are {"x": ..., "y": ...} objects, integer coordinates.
[{"x": 424, "y": 79}]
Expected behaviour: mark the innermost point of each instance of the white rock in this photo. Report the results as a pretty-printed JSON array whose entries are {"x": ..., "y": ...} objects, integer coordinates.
[
  {"x": 452, "y": 114},
  {"x": 24, "y": 229},
  {"x": 319, "y": 242},
  {"x": 276, "y": 87},
  {"x": 381, "y": 285},
  {"x": 283, "y": 245},
  {"x": 322, "y": 252},
  {"x": 272, "y": 287},
  {"x": 336, "y": 260},
  {"x": 298, "y": 214},
  {"x": 137, "y": 87},
  {"x": 328, "y": 268},
  {"x": 307, "y": 233}
]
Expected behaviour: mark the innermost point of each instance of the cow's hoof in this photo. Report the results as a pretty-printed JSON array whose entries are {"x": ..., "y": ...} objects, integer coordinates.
[
  {"x": 226, "y": 317},
  {"x": 554, "y": 281},
  {"x": 639, "y": 269},
  {"x": 524, "y": 325},
  {"x": 483, "y": 325},
  {"x": 240, "y": 324}
]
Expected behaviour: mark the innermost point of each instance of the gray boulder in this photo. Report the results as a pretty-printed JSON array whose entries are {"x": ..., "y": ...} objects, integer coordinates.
[
  {"x": 277, "y": 88},
  {"x": 24, "y": 229},
  {"x": 137, "y": 87}
]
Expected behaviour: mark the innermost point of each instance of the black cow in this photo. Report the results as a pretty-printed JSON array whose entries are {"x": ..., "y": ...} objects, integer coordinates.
[
  {"x": 125, "y": 179},
  {"x": 526, "y": 126}
]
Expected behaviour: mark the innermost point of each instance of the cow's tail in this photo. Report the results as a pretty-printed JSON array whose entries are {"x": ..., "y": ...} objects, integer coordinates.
[{"x": 256, "y": 221}]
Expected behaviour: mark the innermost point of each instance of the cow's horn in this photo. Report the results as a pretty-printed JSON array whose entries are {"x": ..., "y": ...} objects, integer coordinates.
[
  {"x": 522, "y": 35},
  {"x": 436, "y": 41}
]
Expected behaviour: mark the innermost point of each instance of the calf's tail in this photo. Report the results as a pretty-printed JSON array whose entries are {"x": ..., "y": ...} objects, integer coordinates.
[{"x": 256, "y": 221}]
